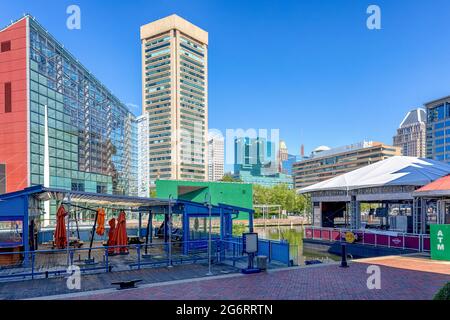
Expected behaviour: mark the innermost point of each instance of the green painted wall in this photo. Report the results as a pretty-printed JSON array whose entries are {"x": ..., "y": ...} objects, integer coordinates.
[
  {"x": 231, "y": 193},
  {"x": 440, "y": 241}
]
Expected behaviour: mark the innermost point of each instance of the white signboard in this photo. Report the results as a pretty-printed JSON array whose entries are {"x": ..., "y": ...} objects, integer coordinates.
[{"x": 250, "y": 242}]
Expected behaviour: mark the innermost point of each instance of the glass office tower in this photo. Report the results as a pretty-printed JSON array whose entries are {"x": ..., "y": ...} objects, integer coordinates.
[
  {"x": 438, "y": 129},
  {"x": 59, "y": 126}
]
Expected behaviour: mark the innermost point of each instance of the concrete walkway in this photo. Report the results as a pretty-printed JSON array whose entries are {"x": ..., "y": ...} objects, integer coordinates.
[{"x": 315, "y": 282}]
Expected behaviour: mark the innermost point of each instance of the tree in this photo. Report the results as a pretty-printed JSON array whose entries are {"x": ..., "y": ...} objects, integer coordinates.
[
  {"x": 281, "y": 195},
  {"x": 229, "y": 178}
]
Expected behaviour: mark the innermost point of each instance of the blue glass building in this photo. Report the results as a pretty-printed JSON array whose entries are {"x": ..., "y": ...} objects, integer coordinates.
[
  {"x": 255, "y": 161},
  {"x": 438, "y": 130}
]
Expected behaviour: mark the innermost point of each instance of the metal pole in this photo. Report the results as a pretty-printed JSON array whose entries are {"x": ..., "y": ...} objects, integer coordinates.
[
  {"x": 92, "y": 238},
  {"x": 209, "y": 236},
  {"x": 344, "y": 263},
  {"x": 149, "y": 222},
  {"x": 264, "y": 210},
  {"x": 170, "y": 232},
  {"x": 68, "y": 230}
]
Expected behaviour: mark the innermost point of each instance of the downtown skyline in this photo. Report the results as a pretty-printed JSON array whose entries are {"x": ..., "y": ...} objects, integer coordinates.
[{"x": 327, "y": 40}]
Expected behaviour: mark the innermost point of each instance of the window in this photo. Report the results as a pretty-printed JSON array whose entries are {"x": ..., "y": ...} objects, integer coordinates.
[
  {"x": 2, "y": 178},
  {"x": 6, "y": 46},
  {"x": 77, "y": 185},
  {"x": 8, "y": 104},
  {"x": 11, "y": 230},
  {"x": 101, "y": 188}
]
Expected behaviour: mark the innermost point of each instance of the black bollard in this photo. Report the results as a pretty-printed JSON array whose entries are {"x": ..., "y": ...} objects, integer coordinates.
[{"x": 344, "y": 263}]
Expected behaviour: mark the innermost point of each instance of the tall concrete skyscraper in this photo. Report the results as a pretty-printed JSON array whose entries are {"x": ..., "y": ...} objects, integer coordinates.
[
  {"x": 175, "y": 98},
  {"x": 216, "y": 157},
  {"x": 411, "y": 134}
]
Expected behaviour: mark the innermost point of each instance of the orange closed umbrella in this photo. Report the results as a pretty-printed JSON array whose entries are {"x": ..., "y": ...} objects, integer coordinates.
[
  {"x": 111, "y": 233},
  {"x": 121, "y": 234},
  {"x": 100, "y": 222},
  {"x": 60, "y": 231}
]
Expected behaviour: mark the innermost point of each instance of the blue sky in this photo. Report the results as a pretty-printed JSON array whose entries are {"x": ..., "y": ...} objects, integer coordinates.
[{"x": 308, "y": 68}]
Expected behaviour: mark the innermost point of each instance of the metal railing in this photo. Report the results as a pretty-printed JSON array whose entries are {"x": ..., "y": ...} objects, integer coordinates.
[
  {"x": 409, "y": 241},
  {"x": 55, "y": 262},
  {"x": 275, "y": 250}
]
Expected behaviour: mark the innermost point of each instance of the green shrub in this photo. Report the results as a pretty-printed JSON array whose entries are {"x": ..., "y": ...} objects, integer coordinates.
[{"x": 444, "y": 293}]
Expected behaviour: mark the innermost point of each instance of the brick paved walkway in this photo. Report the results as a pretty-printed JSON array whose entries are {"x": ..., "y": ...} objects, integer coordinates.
[
  {"x": 56, "y": 286},
  {"x": 411, "y": 263},
  {"x": 316, "y": 282}
]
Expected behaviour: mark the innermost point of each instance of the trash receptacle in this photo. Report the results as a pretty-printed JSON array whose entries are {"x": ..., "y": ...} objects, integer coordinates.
[{"x": 261, "y": 262}]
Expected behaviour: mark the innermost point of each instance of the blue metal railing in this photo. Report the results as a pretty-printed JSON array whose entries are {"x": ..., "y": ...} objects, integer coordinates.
[
  {"x": 276, "y": 250},
  {"x": 55, "y": 262}
]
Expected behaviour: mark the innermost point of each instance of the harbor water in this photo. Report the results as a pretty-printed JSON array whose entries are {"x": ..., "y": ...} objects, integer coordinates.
[{"x": 294, "y": 235}]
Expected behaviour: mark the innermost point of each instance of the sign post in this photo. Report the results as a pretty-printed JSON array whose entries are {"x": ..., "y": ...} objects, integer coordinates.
[
  {"x": 250, "y": 247},
  {"x": 440, "y": 241}
]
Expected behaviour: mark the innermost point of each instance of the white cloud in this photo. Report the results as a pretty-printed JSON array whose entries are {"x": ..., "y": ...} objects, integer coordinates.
[{"x": 133, "y": 108}]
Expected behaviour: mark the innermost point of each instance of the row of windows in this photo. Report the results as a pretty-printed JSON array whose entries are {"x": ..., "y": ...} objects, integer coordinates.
[
  {"x": 159, "y": 141},
  {"x": 200, "y": 110},
  {"x": 192, "y": 84},
  {"x": 149, "y": 112},
  {"x": 160, "y": 129},
  {"x": 192, "y": 73},
  {"x": 442, "y": 149},
  {"x": 156, "y": 47},
  {"x": 157, "y": 53},
  {"x": 159, "y": 135},
  {"x": 159, "y": 118},
  {"x": 192, "y": 44},
  {"x": 157, "y": 71},
  {"x": 157, "y": 100},
  {"x": 193, "y": 51},
  {"x": 156, "y": 83},
  {"x": 160, "y": 158},
  {"x": 157, "y": 65},
  {"x": 187, "y": 59},
  {"x": 192, "y": 90},
  {"x": 158, "y": 152},
  {"x": 158, "y": 94},
  {"x": 193, "y": 79},
  {"x": 192, "y": 67},
  {"x": 157, "y": 77},
  {"x": 193, "y": 114},
  {"x": 156, "y": 59},
  {"x": 195, "y": 119},
  {"x": 192, "y": 102},
  {"x": 439, "y": 112},
  {"x": 157, "y": 41},
  {"x": 158, "y": 106},
  {"x": 160, "y": 146}
]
